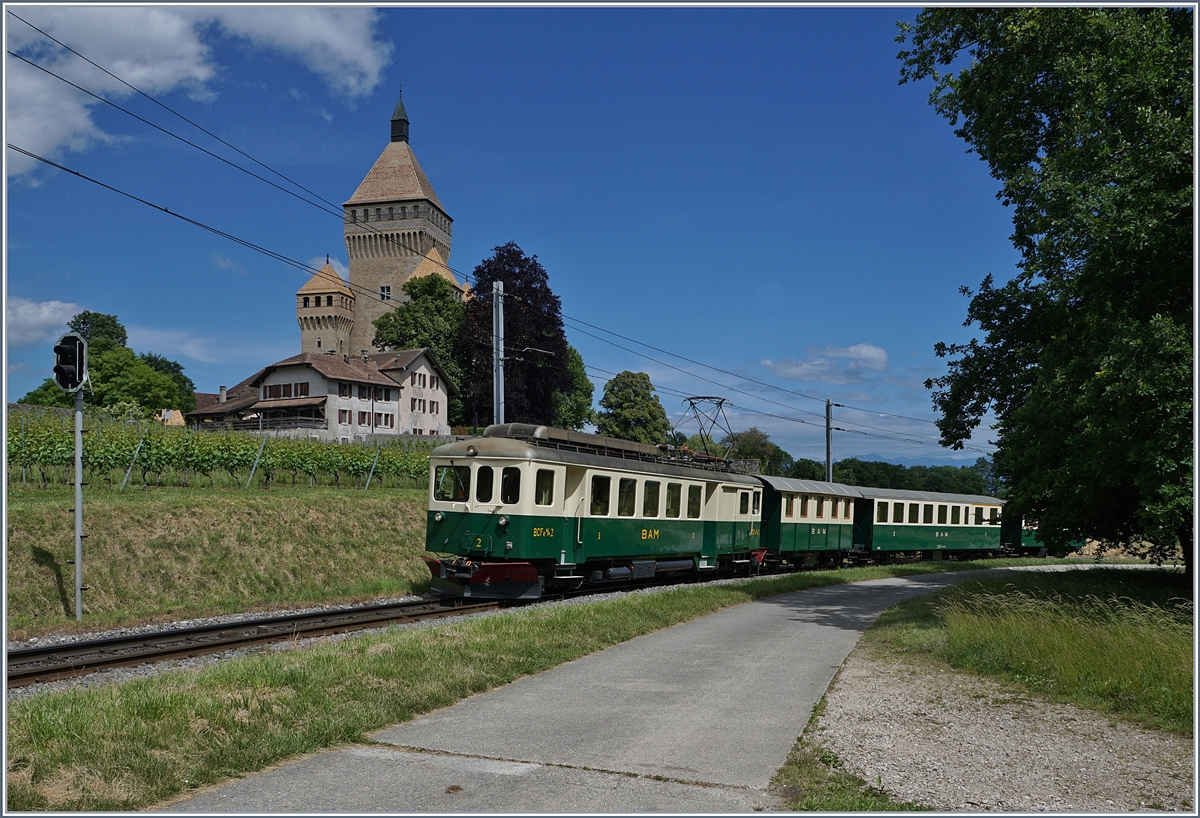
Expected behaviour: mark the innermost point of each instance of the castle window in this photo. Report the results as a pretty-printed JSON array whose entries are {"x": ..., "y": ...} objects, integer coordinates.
[
  {"x": 366, "y": 215},
  {"x": 329, "y": 301},
  {"x": 318, "y": 343},
  {"x": 378, "y": 214},
  {"x": 404, "y": 212},
  {"x": 354, "y": 217},
  {"x": 385, "y": 292},
  {"x": 306, "y": 300},
  {"x": 391, "y": 213}
]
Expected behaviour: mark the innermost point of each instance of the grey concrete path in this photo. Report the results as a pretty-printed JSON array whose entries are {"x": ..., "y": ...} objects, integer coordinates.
[{"x": 693, "y": 718}]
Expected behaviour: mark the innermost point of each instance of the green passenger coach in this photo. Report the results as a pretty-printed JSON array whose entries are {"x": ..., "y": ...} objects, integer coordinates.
[{"x": 895, "y": 521}]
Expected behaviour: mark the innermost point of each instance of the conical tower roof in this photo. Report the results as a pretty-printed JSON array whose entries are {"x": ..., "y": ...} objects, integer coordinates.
[
  {"x": 325, "y": 280},
  {"x": 435, "y": 264},
  {"x": 395, "y": 176}
]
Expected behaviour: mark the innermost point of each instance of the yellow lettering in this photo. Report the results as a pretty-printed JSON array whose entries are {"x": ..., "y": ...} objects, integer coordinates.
[{"x": 644, "y": 532}]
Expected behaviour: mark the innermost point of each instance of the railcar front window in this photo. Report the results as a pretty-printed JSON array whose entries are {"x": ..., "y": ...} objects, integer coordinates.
[
  {"x": 510, "y": 486},
  {"x": 626, "y": 496},
  {"x": 881, "y": 513},
  {"x": 485, "y": 481},
  {"x": 693, "y": 503},
  {"x": 674, "y": 495},
  {"x": 543, "y": 490},
  {"x": 650, "y": 499},
  {"x": 452, "y": 484},
  {"x": 601, "y": 487}
]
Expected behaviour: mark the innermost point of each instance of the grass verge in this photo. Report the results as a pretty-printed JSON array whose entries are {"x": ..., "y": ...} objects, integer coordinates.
[
  {"x": 159, "y": 555},
  {"x": 1115, "y": 641},
  {"x": 128, "y": 746}
]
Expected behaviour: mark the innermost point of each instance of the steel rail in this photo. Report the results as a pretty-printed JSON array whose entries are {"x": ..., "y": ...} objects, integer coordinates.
[{"x": 66, "y": 660}]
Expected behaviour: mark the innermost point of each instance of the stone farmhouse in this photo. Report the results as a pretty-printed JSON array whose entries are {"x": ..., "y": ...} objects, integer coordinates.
[{"x": 341, "y": 387}]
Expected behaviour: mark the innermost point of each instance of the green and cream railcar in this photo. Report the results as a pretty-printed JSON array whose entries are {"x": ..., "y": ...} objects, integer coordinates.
[
  {"x": 808, "y": 522},
  {"x": 889, "y": 522},
  {"x": 525, "y": 509}
]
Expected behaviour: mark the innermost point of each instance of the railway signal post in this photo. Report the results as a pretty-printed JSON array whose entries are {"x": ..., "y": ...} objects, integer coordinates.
[{"x": 70, "y": 374}]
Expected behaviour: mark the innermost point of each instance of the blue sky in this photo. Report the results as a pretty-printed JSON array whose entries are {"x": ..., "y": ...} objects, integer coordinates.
[{"x": 749, "y": 188}]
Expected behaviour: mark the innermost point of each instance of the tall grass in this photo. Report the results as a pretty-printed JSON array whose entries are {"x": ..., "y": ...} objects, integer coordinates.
[{"x": 1117, "y": 641}]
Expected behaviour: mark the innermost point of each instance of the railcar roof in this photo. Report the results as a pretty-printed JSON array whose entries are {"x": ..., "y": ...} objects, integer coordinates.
[
  {"x": 809, "y": 486},
  {"x": 934, "y": 496},
  {"x": 512, "y": 449}
]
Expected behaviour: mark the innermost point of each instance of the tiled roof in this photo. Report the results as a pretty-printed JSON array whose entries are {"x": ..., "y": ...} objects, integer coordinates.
[
  {"x": 325, "y": 280},
  {"x": 401, "y": 360},
  {"x": 289, "y": 403},
  {"x": 237, "y": 397},
  {"x": 395, "y": 176},
  {"x": 434, "y": 263},
  {"x": 334, "y": 368}
]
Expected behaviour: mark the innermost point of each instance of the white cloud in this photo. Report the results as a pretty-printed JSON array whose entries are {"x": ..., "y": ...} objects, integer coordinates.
[
  {"x": 173, "y": 343},
  {"x": 163, "y": 49},
  {"x": 227, "y": 264},
  {"x": 832, "y": 364},
  {"x": 28, "y": 323}
]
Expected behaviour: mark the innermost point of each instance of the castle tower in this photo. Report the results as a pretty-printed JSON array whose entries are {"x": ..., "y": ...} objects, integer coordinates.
[
  {"x": 325, "y": 312},
  {"x": 394, "y": 224}
]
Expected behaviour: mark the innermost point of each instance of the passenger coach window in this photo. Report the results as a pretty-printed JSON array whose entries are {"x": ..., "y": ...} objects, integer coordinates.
[
  {"x": 543, "y": 490},
  {"x": 650, "y": 499},
  {"x": 942, "y": 515},
  {"x": 994, "y": 516},
  {"x": 954, "y": 515},
  {"x": 978, "y": 515},
  {"x": 881, "y": 513},
  {"x": 898, "y": 513},
  {"x": 693, "y": 503},
  {"x": 626, "y": 496},
  {"x": 804, "y": 506},
  {"x": 744, "y": 505},
  {"x": 452, "y": 483},
  {"x": 484, "y": 483},
  {"x": 929, "y": 512},
  {"x": 510, "y": 485},
  {"x": 833, "y": 504},
  {"x": 601, "y": 486},
  {"x": 674, "y": 496},
  {"x": 757, "y": 501},
  {"x": 914, "y": 513},
  {"x": 846, "y": 512},
  {"x": 820, "y": 507},
  {"x": 787, "y": 506}
]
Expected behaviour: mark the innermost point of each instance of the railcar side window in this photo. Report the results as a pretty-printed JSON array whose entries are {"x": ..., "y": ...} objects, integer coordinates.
[
  {"x": 898, "y": 513},
  {"x": 693, "y": 502},
  {"x": 510, "y": 485},
  {"x": 833, "y": 505},
  {"x": 744, "y": 504},
  {"x": 757, "y": 501},
  {"x": 820, "y": 507},
  {"x": 787, "y": 506},
  {"x": 881, "y": 512},
  {"x": 650, "y": 499},
  {"x": 674, "y": 495},
  {"x": 626, "y": 496},
  {"x": 804, "y": 506},
  {"x": 942, "y": 515},
  {"x": 452, "y": 483},
  {"x": 543, "y": 489},
  {"x": 601, "y": 487},
  {"x": 978, "y": 515},
  {"x": 994, "y": 517},
  {"x": 484, "y": 484},
  {"x": 846, "y": 511},
  {"x": 929, "y": 512},
  {"x": 914, "y": 513},
  {"x": 954, "y": 515}
]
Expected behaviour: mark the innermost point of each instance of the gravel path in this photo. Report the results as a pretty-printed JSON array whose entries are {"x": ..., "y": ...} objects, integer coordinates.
[{"x": 955, "y": 742}]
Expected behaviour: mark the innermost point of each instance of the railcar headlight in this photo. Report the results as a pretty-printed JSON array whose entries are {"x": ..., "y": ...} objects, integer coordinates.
[
  {"x": 439, "y": 516},
  {"x": 502, "y": 520},
  {"x": 472, "y": 451}
]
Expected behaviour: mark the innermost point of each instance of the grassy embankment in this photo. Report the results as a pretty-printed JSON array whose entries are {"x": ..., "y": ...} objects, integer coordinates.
[
  {"x": 1114, "y": 641},
  {"x": 166, "y": 554}
]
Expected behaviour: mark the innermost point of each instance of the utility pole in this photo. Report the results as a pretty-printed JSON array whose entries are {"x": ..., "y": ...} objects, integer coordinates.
[
  {"x": 498, "y": 352},
  {"x": 828, "y": 441}
]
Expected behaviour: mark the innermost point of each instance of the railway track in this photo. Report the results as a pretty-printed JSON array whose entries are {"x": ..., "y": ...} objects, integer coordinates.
[{"x": 54, "y": 662}]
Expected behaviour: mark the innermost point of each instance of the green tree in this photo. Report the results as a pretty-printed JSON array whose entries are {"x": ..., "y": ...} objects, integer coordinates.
[
  {"x": 1084, "y": 116},
  {"x": 101, "y": 331},
  {"x": 806, "y": 469},
  {"x": 573, "y": 406},
  {"x": 535, "y": 347},
  {"x": 432, "y": 318},
  {"x": 185, "y": 389},
  {"x": 630, "y": 410},
  {"x": 755, "y": 444}
]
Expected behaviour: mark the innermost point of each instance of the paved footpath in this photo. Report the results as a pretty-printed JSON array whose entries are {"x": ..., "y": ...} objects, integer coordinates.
[{"x": 692, "y": 718}]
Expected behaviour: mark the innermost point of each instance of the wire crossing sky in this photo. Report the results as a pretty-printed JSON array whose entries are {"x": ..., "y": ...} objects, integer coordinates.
[{"x": 736, "y": 201}]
